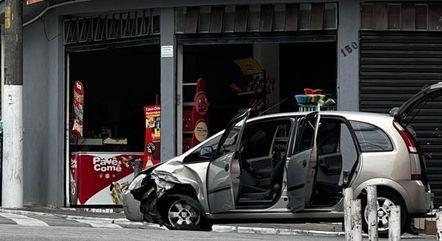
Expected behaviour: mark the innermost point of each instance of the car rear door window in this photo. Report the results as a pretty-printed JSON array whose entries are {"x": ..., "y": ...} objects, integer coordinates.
[
  {"x": 306, "y": 136},
  {"x": 371, "y": 138}
]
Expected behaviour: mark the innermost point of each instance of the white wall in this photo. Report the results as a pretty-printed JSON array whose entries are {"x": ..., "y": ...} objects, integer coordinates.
[{"x": 348, "y": 66}]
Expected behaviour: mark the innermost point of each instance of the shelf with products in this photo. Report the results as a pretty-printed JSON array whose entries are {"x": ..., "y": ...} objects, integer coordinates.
[{"x": 195, "y": 114}]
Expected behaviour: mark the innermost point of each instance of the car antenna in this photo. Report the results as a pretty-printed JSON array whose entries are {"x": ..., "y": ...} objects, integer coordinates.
[{"x": 273, "y": 106}]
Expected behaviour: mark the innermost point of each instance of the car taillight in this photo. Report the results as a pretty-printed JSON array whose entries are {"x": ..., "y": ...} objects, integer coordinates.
[
  {"x": 412, "y": 149},
  {"x": 416, "y": 177},
  {"x": 415, "y": 167}
]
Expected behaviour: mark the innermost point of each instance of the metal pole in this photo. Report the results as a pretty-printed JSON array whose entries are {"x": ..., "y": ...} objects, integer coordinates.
[
  {"x": 372, "y": 208},
  {"x": 439, "y": 225},
  {"x": 356, "y": 220},
  {"x": 394, "y": 228},
  {"x": 12, "y": 106},
  {"x": 348, "y": 197}
]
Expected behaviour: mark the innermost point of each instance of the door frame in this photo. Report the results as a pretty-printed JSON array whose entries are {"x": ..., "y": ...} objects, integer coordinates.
[
  {"x": 355, "y": 142},
  {"x": 68, "y": 49},
  {"x": 351, "y": 176},
  {"x": 293, "y": 119},
  {"x": 237, "y": 119}
]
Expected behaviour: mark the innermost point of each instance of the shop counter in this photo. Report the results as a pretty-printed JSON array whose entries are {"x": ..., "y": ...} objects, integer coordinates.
[{"x": 99, "y": 178}]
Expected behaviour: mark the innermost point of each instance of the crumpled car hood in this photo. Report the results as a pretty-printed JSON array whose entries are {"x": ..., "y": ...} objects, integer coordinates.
[{"x": 176, "y": 172}]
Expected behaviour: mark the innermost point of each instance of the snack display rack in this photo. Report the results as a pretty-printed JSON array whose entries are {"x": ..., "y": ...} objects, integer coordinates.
[
  {"x": 314, "y": 100},
  {"x": 310, "y": 108}
]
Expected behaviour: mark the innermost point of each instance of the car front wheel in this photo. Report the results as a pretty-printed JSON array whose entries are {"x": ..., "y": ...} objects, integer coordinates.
[{"x": 182, "y": 212}]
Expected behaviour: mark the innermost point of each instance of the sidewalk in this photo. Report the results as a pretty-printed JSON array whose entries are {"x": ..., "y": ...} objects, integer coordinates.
[
  {"x": 112, "y": 213},
  {"x": 118, "y": 214}
]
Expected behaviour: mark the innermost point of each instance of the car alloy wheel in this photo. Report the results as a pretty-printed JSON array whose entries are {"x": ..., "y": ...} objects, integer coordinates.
[
  {"x": 181, "y": 214},
  {"x": 383, "y": 210}
]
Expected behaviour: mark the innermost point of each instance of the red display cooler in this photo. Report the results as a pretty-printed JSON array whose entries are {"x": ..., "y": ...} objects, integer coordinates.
[{"x": 99, "y": 178}]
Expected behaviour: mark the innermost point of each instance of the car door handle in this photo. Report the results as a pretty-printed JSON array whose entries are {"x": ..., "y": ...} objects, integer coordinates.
[
  {"x": 227, "y": 167},
  {"x": 304, "y": 163}
]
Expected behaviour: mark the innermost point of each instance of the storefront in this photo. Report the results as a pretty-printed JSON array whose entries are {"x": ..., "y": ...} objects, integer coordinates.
[
  {"x": 95, "y": 71},
  {"x": 400, "y": 54},
  {"x": 250, "y": 56},
  {"x": 113, "y": 103}
]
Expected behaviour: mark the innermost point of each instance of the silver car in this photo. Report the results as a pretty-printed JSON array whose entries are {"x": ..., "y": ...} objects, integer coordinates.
[{"x": 289, "y": 166}]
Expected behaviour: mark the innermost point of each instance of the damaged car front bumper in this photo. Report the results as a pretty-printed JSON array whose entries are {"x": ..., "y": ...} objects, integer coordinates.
[{"x": 170, "y": 178}]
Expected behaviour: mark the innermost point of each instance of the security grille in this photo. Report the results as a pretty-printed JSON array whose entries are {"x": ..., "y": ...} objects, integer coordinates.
[
  {"x": 256, "y": 18},
  {"x": 111, "y": 26},
  {"x": 405, "y": 16},
  {"x": 393, "y": 67}
]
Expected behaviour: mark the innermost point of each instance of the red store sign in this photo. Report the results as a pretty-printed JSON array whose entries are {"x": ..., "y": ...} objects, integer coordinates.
[{"x": 100, "y": 178}]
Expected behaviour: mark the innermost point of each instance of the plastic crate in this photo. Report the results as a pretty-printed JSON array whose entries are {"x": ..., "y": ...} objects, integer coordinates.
[{"x": 311, "y": 108}]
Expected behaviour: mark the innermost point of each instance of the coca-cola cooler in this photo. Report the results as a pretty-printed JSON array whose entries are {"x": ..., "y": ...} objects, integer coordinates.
[{"x": 99, "y": 178}]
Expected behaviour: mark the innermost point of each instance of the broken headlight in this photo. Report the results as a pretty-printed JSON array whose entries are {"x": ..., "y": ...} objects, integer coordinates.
[{"x": 136, "y": 183}]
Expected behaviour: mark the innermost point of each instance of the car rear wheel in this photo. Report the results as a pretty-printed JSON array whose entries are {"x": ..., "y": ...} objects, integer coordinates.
[
  {"x": 182, "y": 212},
  {"x": 386, "y": 199}
]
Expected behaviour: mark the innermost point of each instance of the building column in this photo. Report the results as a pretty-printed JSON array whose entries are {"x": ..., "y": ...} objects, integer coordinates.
[
  {"x": 12, "y": 105},
  {"x": 348, "y": 55},
  {"x": 168, "y": 84}
]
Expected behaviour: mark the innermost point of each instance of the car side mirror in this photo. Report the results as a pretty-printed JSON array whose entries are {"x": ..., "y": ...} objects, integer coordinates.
[{"x": 206, "y": 152}]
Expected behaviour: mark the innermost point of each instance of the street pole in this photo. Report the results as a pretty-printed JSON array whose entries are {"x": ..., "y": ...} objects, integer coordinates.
[
  {"x": 439, "y": 224},
  {"x": 12, "y": 105},
  {"x": 348, "y": 198},
  {"x": 356, "y": 224},
  {"x": 372, "y": 209},
  {"x": 394, "y": 224}
]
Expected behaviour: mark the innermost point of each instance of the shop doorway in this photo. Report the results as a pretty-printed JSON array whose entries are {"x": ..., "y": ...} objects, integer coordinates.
[
  {"x": 287, "y": 68},
  {"x": 118, "y": 83},
  {"x": 109, "y": 89},
  {"x": 306, "y": 65}
]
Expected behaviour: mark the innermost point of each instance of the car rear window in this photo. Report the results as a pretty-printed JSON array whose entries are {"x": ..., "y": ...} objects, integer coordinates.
[{"x": 371, "y": 138}]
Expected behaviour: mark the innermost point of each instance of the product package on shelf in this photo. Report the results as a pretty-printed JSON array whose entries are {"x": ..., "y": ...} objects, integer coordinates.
[
  {"x": 152, "y": 135},
  {"x": 195, "y": 117}
]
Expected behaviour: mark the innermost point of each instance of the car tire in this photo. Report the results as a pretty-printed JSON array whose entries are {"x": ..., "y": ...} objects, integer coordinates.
[
  {"x": 386, "y": 199},
  {"x": 181, "y": 212}
]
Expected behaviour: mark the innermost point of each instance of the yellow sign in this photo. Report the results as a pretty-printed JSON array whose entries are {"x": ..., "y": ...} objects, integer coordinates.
[
  {"x": 201, "y": 131},
  {"x": 7, "y": 17},
  {"x": 249, "y": 66}
]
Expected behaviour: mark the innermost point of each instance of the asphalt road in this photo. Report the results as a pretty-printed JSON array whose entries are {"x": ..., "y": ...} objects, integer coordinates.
[
  {"x": 13, "y": 233},
  {"x": 17, "y": 232},
  {"x": 16, "y": 225}
]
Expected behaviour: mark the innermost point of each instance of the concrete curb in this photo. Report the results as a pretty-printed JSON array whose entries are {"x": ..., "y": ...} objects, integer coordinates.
[{"x": 216, "y": 228}]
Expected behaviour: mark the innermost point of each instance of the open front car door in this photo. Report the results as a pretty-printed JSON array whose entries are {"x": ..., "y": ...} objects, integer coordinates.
[
  {"x": 219, "y": 182},
  {"x": 301, "y": 166}
]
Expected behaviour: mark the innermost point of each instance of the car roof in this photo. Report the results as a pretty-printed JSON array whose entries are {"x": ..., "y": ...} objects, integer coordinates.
[{"x": 350, "y": 115}]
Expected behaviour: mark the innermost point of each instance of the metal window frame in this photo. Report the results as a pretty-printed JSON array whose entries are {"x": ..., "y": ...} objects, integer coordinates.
[{"x": 110, "y": 26}]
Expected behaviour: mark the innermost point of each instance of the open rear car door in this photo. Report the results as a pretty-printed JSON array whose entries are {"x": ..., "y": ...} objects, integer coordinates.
[
  {"x": 427, "y": 94},
  {"x": 410, "y": 116},
  {"x": 301, "y": 166},
  {"x": 219, "y": 180}
]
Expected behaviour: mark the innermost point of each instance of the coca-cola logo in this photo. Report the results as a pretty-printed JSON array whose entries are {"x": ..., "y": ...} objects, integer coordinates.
[
  {"x": 102, "y": 164},
  {"x": 152, "y": 108}
]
